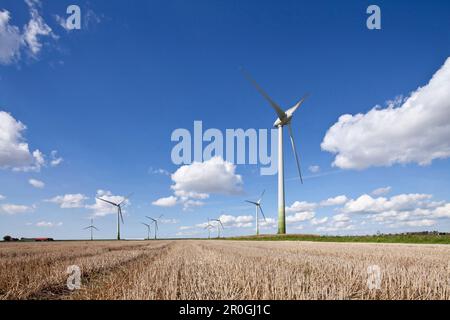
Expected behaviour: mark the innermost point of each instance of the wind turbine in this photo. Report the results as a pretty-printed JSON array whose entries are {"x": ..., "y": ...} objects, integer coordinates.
[
  {"x": 155, "y": 221},
  {"x": 148, "y": 230},
  {"x": 119, "y": 212},
  {"x": 209, "y": 226},
  {"x": 219, "y": 224},
  {"x": 258, "y": 209},
  {"x": 284, "y": 118},
  {"x": 91, "y": 227}
]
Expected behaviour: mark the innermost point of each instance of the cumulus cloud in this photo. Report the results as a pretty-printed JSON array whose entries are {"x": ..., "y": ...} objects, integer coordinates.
[
  {"x": 36, "y": 183},
  {"x": 299, "y": 206},
  {"x": 317, "y": 221},
  {"x": 300, "y": 216},
  {"x": 411, "y": 130},
  {"x": 48, "y": 224},
  {"x": 13, "y": 209},
  {"x": 381, "y": 191},
  {"x": 195, "y": 182},
  {"x": 166, "y": 202},
  {"x": 15, "y": 152},
  {"x": 336, "y": 201},
  {"x": 235, "y": 221},
  {"x": 13, "y": 41},
  {"x": 367, "y": 204},
  {"x": 68, "y": 201},
  {"x": 211, "y": 176}
]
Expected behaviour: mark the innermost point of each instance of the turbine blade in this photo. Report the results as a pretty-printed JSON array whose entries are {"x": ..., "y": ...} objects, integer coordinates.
[
  {"x": 252, "y": 202},
  {"x": 262, "y": 212},
  {"x": 281, "y": 114},
  {"x": 294, "y": 108},
  {"x": 120, "y": 213},
  {"x": 126, "y": 198},
  {"x": 86, "y": 228},
  {"x": 294, "y": 149},
  {"x": 162, "y": 215},
  {"x": 95, "y": 228},
  {"x": 150, "y": 218},
  {"x": 107, "y": 201},
  {"x": 260, "y": 198}
]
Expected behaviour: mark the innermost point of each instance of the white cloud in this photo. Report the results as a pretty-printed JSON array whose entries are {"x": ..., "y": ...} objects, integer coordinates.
[
  {"x": 381, "y": 191},
  {"x": 55, "y": 159},
  {"x": 414, "y": 130},
  {"x": 2, "y": 197},
  {"x": 299, "y": 206},
  {"x": 69, "y": 200},
  {"x": 12, "y": 209},
  {"x": 268, "y": 223},
  {"x": 195, "y": 182},
  {"x": 164, "y": 172},
  {"x": 35, "y": 28},
  {"x": 367, "y": 204},
  {"x": 14, "y": 151},
  {"x": 36, "y": 183},
  {"x": 102, "y": 208},
  {"x": 336, "y": 201},
  {"x": 185, "y": 227},
  {"x": 166, "y": 202},
  {"x": 10, "y": 40},
  {"x": 235, "y": 221},
  {"x": 314, "y": 168},
  {"x": 316, "y": 221},
  {"x": 47, "y": 224},
  {"x": 341, "y": 217},
  {"x": 300, "y": 216},
  {"x": 169, "y": 221},
  {"x": 13, "y": 41},
  {"x": 211, "y": 176}
]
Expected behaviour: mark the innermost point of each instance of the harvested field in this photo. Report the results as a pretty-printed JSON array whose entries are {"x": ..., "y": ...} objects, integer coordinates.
[{"x": 196, "y": 269}]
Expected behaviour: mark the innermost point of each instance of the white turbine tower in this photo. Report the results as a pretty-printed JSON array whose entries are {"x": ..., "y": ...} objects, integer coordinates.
[
  {"x": 258, "y": 209},
  {"x": 119, "y": 212},
  {"x": 284, "y": 118}
]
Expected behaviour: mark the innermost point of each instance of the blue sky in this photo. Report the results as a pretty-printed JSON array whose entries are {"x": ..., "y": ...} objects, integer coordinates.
[{"x": 107, "y": 98}]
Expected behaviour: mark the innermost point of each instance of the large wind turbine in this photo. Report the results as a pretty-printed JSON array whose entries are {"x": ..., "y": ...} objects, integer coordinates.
[
  {"x": 219, "y": 225},
  {"x": 91, "y": 226},
  {"x": 284, "y": 118},
  {"x": 119, "y": 212},
  {"x": 148, "y": 230},
  {"x": 258, "y": 209},
  {"x": 155, "y": 221}
]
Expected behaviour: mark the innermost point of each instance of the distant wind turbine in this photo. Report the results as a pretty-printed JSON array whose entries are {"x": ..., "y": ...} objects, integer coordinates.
[
  {"x": 258, "y": 209},
  {"x": 219, "y": 225},
  {"x": 284, "y": 118},
  {"x": 119, "y": 211},
  {"x": 155, "y": 221},
  {"x": 92, "y": 227},
  {"x": 148, "y": 230},
  {"x": 209, "y": 226}
]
